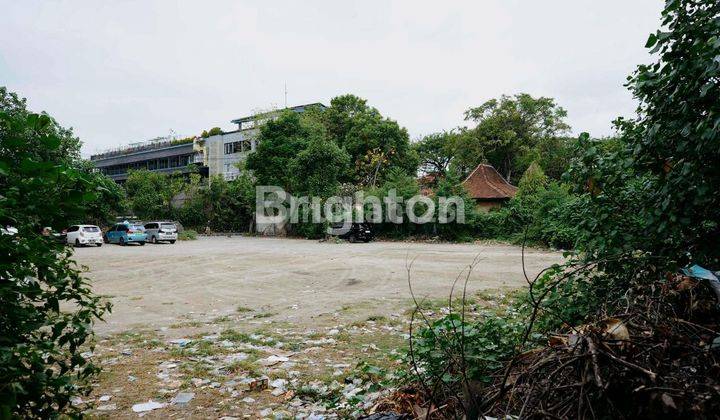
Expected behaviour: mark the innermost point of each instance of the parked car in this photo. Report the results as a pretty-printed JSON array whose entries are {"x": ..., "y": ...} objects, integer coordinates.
[
  {"x": 352, "y": 232},
  {"x": 125, "y": 233},
  {"x": 161, "y": 231},
  {"x": 83, "y": 235}
]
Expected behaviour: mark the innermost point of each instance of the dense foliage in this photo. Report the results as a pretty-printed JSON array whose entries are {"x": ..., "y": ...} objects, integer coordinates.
[
  {"x": 43, "y": 185},
  {"x": 644, "y": 204}
]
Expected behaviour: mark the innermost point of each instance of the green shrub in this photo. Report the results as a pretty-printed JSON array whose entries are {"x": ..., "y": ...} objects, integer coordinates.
[
  {"x": 41, "y": 362},
  {"x": 187, "y": 235}
]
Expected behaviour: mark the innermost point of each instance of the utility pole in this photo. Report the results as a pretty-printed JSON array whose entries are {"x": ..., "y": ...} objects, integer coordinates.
[{"x": 285, "y": 94}]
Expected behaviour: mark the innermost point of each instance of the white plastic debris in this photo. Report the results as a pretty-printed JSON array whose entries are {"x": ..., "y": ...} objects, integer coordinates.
[
  {"x": 148, "y": 406},
  {"x": 273, "y": 360},
  {"x": 104, "y": 398},
  {"x": 107, "y": 407},
  {"x": 183, "y": 398}
]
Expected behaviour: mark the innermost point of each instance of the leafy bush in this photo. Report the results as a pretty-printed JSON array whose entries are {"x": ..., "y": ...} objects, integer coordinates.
[
  {"x": 485, "y": 344},
  {"x": 41, "y": 365},
  {"x": 187, "y": 235}
]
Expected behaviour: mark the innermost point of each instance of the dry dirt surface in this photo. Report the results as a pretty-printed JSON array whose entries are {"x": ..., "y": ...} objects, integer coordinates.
[{"x": 301, "y": 282}]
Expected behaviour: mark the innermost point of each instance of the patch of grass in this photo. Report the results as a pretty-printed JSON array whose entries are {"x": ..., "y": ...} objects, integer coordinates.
[
  {"x": 309, "y": 393},
  {"x": 248, "y": 366},
  {"x": 206, "y": 348},
  {"x": 136, "y": 298},
  {"x": 233, "y": 335},
  {"x": 242, "y": 309},
  {"x": 377, "y": 318},
  {"x": 195, "y": 369},
  {"x": 265, "y": 314},
  {"x": 189, "y": 324},
  {"x": 224, "y": 318}
]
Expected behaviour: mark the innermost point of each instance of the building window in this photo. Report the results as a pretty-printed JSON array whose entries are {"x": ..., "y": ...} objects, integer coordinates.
[
  {"x": 229, "y": 148},
  {"x": 246, "y": 146}
]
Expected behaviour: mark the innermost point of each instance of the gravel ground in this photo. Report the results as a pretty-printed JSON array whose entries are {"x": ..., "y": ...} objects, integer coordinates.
[{"x": 287, "y": 280}]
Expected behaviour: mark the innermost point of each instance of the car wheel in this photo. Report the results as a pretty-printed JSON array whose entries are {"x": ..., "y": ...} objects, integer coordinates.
[
  {"x": 153, "y": 240},
  {"x": 77, "y": 243},
  {"x": 98, "y": 245},
  {"x": 172, "y": 242},
  {"x": 105, "y": 239},
  {"x": 366, "y": 240},
  {"x": 352, "y": 238},
  {"x": 122, "y": 241},
  {"x": 141, "y": 243}
]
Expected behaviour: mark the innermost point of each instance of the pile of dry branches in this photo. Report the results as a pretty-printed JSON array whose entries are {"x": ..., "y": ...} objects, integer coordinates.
[{"x": 657, "y": 357}]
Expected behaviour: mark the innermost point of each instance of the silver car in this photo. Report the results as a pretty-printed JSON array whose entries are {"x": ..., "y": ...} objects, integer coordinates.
[{"x": 161, "y": 232}]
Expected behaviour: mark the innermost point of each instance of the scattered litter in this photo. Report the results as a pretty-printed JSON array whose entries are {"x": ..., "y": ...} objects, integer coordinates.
[
  {"x": 182, "y": 342},
  {"x": 259, "y": 384},
  {"x": 248, "y": 400},
  {"x": 199, "y": 382},
  {"x": 104, "y": 398},
  {"x": 107, "y": 407},
  {"x": 131, "y": 378},
  {"x": 148, "y": 406},
  {"x": 126, "y": 352},
  {"x": 273, "y": 360},
  {"x": 235, "y": 357},
  {"x": 183, "y": 398},
  {"x": 266, "y": 412}
]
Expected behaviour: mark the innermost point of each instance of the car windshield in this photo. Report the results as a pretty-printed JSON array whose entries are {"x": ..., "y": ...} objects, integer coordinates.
[
  {"x": 91, "y": 229},
  {"x": 137, "y": 227},
  {"x": 168, "y": 226}
]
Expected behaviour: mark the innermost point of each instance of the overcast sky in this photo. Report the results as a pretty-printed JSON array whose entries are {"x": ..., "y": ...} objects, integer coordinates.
[{"x": 119, "y": 72}]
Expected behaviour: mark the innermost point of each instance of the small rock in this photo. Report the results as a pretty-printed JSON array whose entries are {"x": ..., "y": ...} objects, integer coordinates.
[
  {"x": 107, "y": 407},
  {"x": 266, "y": 412},
  {"x": 104, "y": 398},
  {"x": 248, "y": 400}
]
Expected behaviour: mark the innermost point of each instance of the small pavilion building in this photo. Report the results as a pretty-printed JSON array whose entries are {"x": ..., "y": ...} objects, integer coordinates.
[{"x": 488, "y": 188}]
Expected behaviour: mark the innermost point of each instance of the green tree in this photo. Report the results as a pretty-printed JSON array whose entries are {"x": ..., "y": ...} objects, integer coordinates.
[
  {"x": 435, "y": 151},
  {"x": 658, "y": 192},
  {"x": 229, "y": 205},
  {"x": 41, "y": 365},
  {"x": 375, "y": 143},
  {"x": 150, "y": 194},
  {"x": 279, "y": 141},
  {"x": 317, "y": 169},
  {"x": 509, "y": 128},
  {"x": 533, "y": 180}
]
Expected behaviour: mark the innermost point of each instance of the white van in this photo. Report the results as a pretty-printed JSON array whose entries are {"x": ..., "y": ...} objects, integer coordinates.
[
  {"x": 161, "y": 231},
  {"x": 84, "y": 235}
]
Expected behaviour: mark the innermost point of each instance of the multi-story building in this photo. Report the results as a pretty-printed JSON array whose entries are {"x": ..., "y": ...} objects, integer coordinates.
[
  {"x": 219, "y": 154},
  {"x": 160, "y": 155}
]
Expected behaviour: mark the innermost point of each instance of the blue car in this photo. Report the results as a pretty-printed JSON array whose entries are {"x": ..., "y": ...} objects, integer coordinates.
[{"x": 125, "y": 233}]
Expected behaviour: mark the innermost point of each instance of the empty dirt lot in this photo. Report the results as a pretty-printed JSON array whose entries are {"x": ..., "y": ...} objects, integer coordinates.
[{"x": 298, "y": 281}]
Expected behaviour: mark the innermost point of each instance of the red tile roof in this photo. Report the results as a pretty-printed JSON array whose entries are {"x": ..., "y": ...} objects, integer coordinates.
[{"x": 486, "y": 183}]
